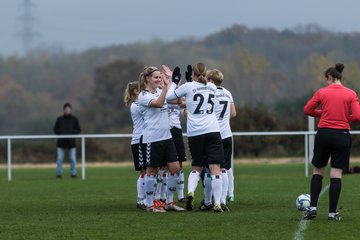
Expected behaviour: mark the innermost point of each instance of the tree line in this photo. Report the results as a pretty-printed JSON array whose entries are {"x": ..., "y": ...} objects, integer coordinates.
[{"x": 271, "y": 74}]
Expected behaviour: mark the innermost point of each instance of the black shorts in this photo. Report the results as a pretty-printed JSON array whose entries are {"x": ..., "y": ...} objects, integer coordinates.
[
  {"x": 334, "y": 143},
  {"x": 138, "y": 156},
  {"x": 159, "y": 154},
  {"x": 227, "y": 144},
  {"x": 206, "y": 149},
  {"x": 177, "y": 137}
]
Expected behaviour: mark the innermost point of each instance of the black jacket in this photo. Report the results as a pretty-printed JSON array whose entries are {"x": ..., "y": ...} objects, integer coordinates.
[{"x": 67, "y": 124}]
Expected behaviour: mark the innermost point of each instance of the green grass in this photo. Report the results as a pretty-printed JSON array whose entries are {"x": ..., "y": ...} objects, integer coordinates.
[{"x": 35, "y": 205}]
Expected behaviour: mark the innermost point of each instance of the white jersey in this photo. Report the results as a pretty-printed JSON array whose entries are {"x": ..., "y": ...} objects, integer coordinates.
[
  {"x": 174, "y": 115},
  {"x": 138, "y": 123},
  {"x": 156, "y": 119},
  {"x": 223, "y": 99},
  {"x": 200, "y": 105}
]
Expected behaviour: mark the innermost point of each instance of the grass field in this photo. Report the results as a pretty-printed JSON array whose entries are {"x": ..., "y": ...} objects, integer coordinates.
[{"x": 35, "y": 205}]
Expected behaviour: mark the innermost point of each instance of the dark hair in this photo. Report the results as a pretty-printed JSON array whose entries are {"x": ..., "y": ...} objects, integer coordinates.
[
  {"x": 199, "y": 71},
  {"x": 67, "y": 105},
  {"x": 335, "y": 72}
]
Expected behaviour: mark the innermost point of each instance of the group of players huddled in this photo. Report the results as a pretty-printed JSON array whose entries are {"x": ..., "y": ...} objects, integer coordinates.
[{"x": 156, "y": 103}]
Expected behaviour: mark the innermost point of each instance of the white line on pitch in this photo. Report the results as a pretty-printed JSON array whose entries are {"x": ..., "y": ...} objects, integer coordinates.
[{"x": 303, "y": 224}]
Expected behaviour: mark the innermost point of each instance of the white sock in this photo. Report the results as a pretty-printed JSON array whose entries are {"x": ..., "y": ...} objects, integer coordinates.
[
  {"x": 216, "y": 185},
  {"x": 225, "y": 186},
  {"x": 163, "y": 189},
  {"x": 180, "y": 185},
  {"x": 194, "y": 178},
  {"x": 230, "y": 192},
  {"x": 171, "y": 187},
  {"x": 140, "y": 189},
  {"x": 158, "y": 184},
  {"x": 149, "y": 187},
  {"x": 207, "y": 189}
]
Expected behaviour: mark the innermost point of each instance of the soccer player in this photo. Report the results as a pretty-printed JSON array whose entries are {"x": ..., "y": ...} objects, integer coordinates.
[
  {"x": 131, "y": 100},
  {"x": 203, "y": 132},
  {"x": 338, "y": 106},
  {"x": 224, "y": 110},
  {"x": 158, "y": 145}
]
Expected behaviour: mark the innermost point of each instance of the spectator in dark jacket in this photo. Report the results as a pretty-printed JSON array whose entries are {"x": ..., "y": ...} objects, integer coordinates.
[{"x": 66, "y": 124}]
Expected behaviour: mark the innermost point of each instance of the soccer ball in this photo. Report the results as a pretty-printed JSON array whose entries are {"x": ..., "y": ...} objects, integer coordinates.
[{"x": 302, "y": 201}]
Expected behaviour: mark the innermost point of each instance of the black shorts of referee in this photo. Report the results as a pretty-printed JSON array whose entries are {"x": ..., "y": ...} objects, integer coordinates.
[{"x": 334, "y": 144}]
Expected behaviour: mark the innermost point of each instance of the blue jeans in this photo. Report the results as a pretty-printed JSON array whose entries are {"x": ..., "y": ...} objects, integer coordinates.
[{"x": 60, "y": 159}]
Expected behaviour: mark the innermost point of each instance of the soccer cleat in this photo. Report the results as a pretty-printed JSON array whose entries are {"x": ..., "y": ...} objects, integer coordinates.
[
  {"x": 173, "y": 207},
  {"x": 334, "y": 216},
  {"x": 224, "y": 207},
  {"x": 231, "y": 199},
  {"x": 309, "y": 213},
  {"x": 183, "y": 200},
  {"x": 217, "y": 208},
  {"x": 159, "y": 203},
  {"x": 190, "y": 201},
  {"x": 140, "y": 206},
  {"x": 204, "y": 207},
  {"x": 73, "y": 176},
  {"x": 155, "y": 209}
]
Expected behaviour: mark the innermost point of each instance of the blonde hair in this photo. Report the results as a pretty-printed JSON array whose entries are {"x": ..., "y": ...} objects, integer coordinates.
[
  {"x": 199, "y": 71},
  {"x": 216, "y": 76},
  {"x": 147, "y": 72},
  {"x": 129, "y": 94}
]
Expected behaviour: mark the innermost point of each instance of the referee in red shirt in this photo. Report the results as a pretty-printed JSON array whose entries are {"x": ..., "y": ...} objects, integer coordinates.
[{"x": 336, "y": 106}]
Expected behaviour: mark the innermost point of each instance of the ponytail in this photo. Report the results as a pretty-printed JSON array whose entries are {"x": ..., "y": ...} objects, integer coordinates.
[
  {"x": 130, "y": 94},
  {"x": 335, "y": 72},
  {"x": 199, "y": 70}
]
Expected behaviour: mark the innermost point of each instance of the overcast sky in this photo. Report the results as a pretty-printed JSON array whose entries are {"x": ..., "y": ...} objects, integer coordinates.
[{"x": 80, "y": 24}]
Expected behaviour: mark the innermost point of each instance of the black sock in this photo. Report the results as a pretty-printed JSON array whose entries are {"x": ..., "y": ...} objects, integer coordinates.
[
  {"x": 315, "y": 189},
  {"x": 334, "y": 193}
]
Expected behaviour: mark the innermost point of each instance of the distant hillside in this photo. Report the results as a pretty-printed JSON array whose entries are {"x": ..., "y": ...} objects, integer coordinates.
[{"x": 260, "y": 65}]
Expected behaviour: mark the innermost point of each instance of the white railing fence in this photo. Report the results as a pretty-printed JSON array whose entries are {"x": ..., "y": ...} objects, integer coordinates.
[{"x": 307, "y": 135}]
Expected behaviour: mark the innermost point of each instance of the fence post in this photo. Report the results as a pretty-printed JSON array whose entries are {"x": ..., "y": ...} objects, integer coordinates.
[
  {"x": 9, "y": 158},
  {"x": 306, "y": 155},
  {"x": 83, "y": 158},
  {"x": 232, "y": 153}
]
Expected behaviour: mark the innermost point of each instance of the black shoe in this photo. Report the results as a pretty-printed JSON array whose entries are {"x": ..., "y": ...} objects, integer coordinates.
[
  {"x": 73, "y": 176},
  {"x": 59, "y": 176},
  {"x": 183, "y": 200},
  {"x": 141, "y": 206},
  {"x": 309, "y": 214},
  {"x": 189, "y": 202},
  {"x": 204, "y": 207},
  {"x": 224, "y": 207},
  {"x": 334, "y": 216}
]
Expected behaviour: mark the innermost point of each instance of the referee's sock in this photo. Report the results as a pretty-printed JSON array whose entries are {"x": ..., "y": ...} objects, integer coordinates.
[
  {"x": 315, "y": 189},
  {"x": 334, "y": 193}
]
